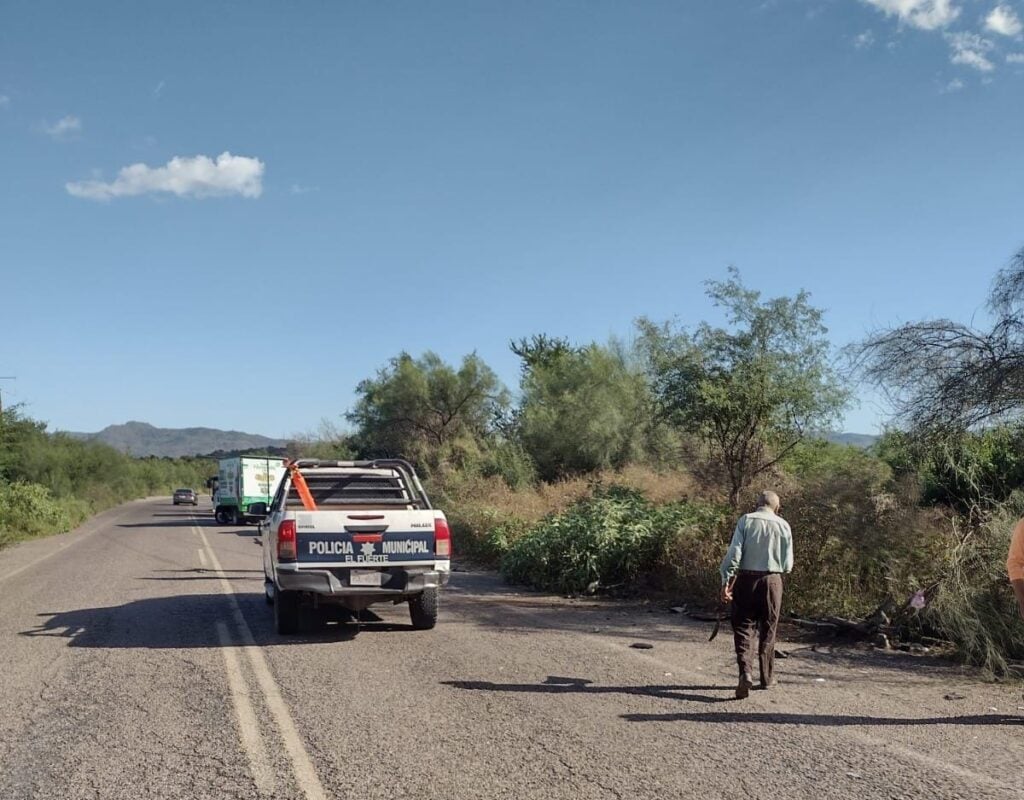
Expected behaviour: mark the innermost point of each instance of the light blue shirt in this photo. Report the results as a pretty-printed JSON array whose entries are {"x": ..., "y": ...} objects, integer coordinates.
[{"x": 763, "y": 542}]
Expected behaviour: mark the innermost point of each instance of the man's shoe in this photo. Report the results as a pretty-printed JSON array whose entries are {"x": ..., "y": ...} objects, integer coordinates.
[
  {"x": 744, "y": 686},
  {"x": 769, "y": 684}
]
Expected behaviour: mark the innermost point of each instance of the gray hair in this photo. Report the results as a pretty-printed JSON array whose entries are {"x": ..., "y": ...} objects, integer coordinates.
[{"x": 768, "y": 499}]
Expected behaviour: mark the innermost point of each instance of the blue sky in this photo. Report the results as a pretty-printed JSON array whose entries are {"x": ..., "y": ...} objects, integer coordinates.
[{"x": 449, "y": 176}]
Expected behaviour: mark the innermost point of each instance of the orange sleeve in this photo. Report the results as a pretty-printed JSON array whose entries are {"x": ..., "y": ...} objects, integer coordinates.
[{"x": 1015, "y": 559}]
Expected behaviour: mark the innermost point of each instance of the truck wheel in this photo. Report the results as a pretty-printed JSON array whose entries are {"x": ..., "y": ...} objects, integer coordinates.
[
  {"x": 423, "y": 610},
  {"x": 286, "y": 612},
  {"x": 221, "y": 516}
]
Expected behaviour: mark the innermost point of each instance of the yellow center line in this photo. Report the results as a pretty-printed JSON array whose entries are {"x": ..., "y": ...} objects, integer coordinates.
[
  {"x": 302, "y": 766},
  {"x": 248, "y": 729}
]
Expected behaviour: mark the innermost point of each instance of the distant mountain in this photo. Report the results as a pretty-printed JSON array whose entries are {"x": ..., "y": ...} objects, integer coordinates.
[
  {"x": 143, "y": 439},
  {"x": 861, "y": 440}
]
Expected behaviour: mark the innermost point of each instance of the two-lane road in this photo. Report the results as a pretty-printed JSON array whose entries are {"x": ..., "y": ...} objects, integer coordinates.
[{"x": 139, "y": 661}]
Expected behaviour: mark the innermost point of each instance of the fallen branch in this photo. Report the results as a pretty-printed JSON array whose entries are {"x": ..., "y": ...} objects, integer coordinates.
[{"x": 814, "y": 625}]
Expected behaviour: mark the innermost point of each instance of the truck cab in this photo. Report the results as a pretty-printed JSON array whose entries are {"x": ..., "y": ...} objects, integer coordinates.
[{"x": 352, "y": 534}]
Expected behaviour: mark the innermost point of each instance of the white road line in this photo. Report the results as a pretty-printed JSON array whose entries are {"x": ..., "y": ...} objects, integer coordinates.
[
  {"x": 248, "y": 729},
  {"x": 302, "y": 765},
  {"x": 73, "y": 539},
  {"x": 202, "y": 557},
  {"x": 963, "y": 773},
  {"x": 31, "y": 564}
]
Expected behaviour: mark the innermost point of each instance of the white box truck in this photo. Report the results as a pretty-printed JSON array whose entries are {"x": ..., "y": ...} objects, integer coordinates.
[{"x": 242, "y": 481}]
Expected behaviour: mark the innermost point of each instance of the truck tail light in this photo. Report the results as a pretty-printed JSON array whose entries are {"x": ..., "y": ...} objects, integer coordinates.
[
  {"x": 442, "y": 538},
  {"x": 287, "y": 547}
]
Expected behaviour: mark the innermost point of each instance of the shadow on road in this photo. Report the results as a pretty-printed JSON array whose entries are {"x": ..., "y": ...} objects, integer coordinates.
[
  {"x": 165, "y": 521},
  {"x": 199, "y": 574},
  {"x": 825, "y": 720},
  {"x": 190, "y": 621},
  {"x": 253, "y": 532},
  {"x": 558, "y": 685}
]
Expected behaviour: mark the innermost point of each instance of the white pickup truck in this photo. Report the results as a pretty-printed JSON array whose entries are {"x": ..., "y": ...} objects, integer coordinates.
[{"x": 352, "y": 533}]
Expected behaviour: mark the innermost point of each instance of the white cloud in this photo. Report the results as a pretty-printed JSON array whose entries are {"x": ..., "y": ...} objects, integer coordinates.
[
  {"x": 5, "y": 101},
  {"x": 1003, "y": 20},
  {"x": 924, "y": 14},
  {"x": 63, "y": 128},
  {"x": 197, "y": 176},
  {"x": 297, "y": 188},
  {"x": 1015, "y": 58},
  {"x": 158, "y": 89},
  {"x": 971, "y": 50},
  {"x": 954, "y": 85},
  {"x": 862, "y": 41}
]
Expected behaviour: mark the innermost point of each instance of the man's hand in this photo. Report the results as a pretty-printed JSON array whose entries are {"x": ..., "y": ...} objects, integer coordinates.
[{"x": 727, "y": 595}]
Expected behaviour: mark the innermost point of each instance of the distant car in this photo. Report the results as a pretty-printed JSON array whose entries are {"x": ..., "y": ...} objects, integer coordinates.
[{"x": 185, "y": 496}]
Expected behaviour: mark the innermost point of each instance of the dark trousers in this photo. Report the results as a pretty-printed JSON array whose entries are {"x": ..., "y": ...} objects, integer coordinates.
[{"x": 756, "y": 606}]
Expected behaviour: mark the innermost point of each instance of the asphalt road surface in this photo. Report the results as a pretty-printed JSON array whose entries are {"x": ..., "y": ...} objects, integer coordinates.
[{"x": 138, "y": 660}]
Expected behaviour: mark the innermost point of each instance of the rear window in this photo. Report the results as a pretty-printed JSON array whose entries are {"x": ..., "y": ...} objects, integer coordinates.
[{"x": 342, "y": 490}]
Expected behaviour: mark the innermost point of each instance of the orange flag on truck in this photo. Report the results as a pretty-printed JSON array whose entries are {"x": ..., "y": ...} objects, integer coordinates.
[{"x": 299, "y": 483}]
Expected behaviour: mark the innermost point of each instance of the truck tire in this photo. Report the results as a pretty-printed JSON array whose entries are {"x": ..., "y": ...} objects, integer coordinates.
[
  {"x": 221, "y": 516},
  {"x": 286, "y": 612},
  {"x": 423, "y": 609}
]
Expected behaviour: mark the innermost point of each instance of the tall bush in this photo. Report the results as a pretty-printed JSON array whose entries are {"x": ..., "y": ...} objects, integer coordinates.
[{"x": 584, "y": 409}]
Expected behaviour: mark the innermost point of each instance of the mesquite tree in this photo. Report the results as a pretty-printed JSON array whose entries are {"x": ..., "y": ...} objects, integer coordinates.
[
  {"x": 424, "y": 409},
  {"x": 753, "y": 390}
]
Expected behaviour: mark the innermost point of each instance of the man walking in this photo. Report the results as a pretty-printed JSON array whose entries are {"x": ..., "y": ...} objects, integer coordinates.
[{"x": 760, "y": 551}]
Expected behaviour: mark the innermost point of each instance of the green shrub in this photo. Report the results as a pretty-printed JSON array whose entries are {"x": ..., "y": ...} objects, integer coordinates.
[
  {"x": 964, "y": 470},
  {"x": 28, "y": 510},
  {"x": 482, "y": 534},
  {"x": 694, "y": 537},
  {"x": 510, "y": 462},
  {"x": 611, "y": 540}
]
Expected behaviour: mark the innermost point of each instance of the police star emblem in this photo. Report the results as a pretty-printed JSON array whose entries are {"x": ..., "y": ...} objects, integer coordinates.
[{"x": 368, "y": 549}]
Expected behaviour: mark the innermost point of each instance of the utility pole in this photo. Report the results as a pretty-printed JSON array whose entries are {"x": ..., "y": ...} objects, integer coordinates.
[{"x": 4, "y": 378}]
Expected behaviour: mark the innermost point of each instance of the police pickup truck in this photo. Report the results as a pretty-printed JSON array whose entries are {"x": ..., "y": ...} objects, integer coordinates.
[{"x": 351, "y": 534}]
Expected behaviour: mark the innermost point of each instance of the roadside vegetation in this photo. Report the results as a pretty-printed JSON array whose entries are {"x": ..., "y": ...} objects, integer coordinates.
[
  {"x": 50, "y": 483},
  {"x": 621, "y": 466}
]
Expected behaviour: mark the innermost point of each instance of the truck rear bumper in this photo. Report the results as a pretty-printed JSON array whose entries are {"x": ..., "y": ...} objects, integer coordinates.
[{"x": 396, "y": 581}]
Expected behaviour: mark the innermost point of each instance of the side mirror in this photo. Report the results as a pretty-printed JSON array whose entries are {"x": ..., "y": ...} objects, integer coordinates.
[{"x": 258, "y": 510}]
